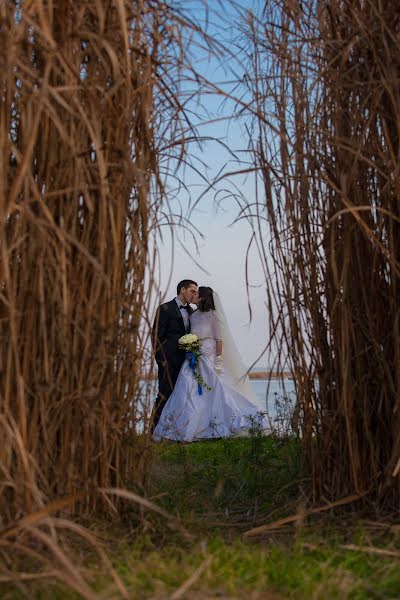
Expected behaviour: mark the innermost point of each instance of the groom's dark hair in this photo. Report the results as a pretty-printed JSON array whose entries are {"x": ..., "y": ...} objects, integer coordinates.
[{"x": 184, "y": 284}]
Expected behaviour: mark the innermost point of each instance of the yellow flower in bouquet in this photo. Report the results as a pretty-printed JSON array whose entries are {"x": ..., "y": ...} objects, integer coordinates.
[{"x": 189, "y": 342}]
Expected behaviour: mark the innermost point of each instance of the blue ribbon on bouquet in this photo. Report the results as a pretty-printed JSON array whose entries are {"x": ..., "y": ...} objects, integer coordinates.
[{"x": 192, "y": 364}]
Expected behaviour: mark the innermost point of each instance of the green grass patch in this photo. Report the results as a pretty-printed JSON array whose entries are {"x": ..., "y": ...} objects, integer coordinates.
[
  {"x": 237, "y": 480},
  {"x": 219, "y": 489},
  {"x": 237, "y": 570}
]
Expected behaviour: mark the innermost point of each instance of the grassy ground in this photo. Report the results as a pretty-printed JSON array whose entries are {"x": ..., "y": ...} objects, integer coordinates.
[
  {"x": 226, "y": 482},
  {"x": 219, "y": 490}
]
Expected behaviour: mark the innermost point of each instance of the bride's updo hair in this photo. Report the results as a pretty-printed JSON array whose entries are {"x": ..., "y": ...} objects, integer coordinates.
[{"x": 206, "y": 299}]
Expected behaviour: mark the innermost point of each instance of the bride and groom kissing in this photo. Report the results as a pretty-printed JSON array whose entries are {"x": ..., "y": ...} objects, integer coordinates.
[{"x": 184, "y": 410}]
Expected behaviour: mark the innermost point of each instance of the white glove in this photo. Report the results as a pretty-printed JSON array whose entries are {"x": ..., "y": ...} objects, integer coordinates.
[{"x": 218, "y": 366}]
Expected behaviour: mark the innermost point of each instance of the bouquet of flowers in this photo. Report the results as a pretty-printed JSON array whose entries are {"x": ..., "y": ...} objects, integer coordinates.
[{"x": 190, "y": 343}]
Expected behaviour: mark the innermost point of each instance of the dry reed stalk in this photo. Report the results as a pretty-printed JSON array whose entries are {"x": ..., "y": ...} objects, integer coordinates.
[
  {"x": 91, "y": 123},
  {"x": 323, "y": 83},
  {"x": 262, "y": 530}
]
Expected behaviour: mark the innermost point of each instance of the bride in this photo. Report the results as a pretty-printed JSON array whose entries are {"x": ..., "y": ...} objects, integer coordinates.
[{"x": 221, "y": 406}]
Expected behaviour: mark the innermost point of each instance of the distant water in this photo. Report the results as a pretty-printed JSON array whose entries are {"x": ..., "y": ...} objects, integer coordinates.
[{"x": 277, "y": 398}]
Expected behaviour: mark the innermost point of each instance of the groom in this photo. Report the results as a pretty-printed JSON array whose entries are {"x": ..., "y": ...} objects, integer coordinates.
[{"x": 171, "y": 322}]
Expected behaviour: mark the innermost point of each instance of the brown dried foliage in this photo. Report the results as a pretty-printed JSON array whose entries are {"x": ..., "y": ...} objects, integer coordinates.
[
  {"x": 324, "y": 93},
  {"x": 91, "y": 123}
]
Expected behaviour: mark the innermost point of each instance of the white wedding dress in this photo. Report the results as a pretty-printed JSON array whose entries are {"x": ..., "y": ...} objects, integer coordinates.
[{"x": 221, "y": 412}]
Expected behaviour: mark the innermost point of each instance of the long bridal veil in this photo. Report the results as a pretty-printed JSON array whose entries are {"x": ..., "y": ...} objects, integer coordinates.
[{"x": 232, "y": 361}]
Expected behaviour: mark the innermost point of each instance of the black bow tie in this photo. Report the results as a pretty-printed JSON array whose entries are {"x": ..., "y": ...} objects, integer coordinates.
[{"x": 186, "y": 307}]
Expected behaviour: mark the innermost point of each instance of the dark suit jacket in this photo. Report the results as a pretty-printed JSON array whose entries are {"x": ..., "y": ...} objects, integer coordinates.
[{"x": 168, "y": 327}]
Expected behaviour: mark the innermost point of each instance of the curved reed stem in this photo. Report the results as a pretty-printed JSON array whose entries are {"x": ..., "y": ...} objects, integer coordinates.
[{"x": 323, "y": 83}]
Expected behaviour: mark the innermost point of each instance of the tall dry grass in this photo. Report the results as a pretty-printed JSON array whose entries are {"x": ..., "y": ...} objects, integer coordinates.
[
  {"x": 323, "y": 91},
  {"x": 91, "y": 124}
]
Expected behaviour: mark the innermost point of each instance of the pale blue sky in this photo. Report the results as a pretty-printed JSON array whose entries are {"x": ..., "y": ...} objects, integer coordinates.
[{"x": 222, "y": 252}]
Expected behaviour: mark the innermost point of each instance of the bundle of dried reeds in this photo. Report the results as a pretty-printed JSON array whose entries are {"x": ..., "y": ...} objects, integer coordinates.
[
  {"x": 89, "y": 110},
  {"x": 324, "y": 88},
  {"x": 92, "y": 124}
]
